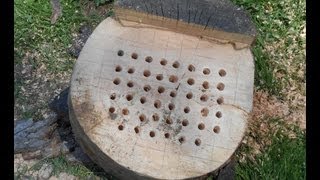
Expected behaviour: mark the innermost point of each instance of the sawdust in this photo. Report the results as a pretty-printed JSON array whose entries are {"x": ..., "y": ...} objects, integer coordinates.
[{"x": 270, "y": 114}]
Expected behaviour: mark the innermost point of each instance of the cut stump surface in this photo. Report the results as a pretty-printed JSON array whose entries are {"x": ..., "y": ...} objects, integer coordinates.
[{"x": 150, "y": 103}]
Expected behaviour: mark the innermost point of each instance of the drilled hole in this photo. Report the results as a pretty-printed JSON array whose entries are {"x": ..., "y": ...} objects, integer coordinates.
[
  {"x": 130, "y": 84},
  {"x": 120, "y": 53},
  {"x": 142, "y": 117},
  {"x": 205, "y": 84},
  {"x": 125, "y": 111},
  {"x": 155, "y": 117},
  {"x": 163, "y": 62},
  {"x": 173, "y": 93},
  {"x": 220, "y": 86},
  {"x": 186, "y": 109},
  {"x": 116, "y": 81},
  {"x": 113, "y": 96},
  {"x": 206, "y": 71},
  {"x": 191, "y": 68},
  {"x": 121, "y": 127},
  {"x": 220, "y": 100},
  {"x": 201, "y": 126},
  {"x": 149, "y": 59},
  {"x": 222, "y": 72},
  {"x": 171, "y": 106},
  {"x": 146, "y": 73},
  {"x": 167, "y": 135},
  {"x": 204, "y": 112},
  {"x": 131, "y": 70},
  {"x": 197, "y": 142},
  {"x": 218, "y": 114},
  {"x": 189, "y": 95},
  {"x": 160, "y": 89},
  {"x": 182, "y": 139},
  {"x": 159, "y": 77},
  {"x": 204, "y": 98},
  {"x": 216, "y": 129},
  {"x": 137, "y": 129},
  {"x": 143, "y": 100},
  {"x": 112, "y": 109},
  {"x": 118, "y": 68},
  {"x": 147, "y": 88},
  {"x": 129, "y": 97},
  {"x": 173, "y": 79},
  {"x": 152, "y": 133},
  {"x": 185, "y": 122},
  {"x": 134, "y": 56},
  {"x": 176, "y": 64},
  {"x": 157, "y": 104},
  {"x": 190, "y": 81},
  {"x": 169, "y": 120}
]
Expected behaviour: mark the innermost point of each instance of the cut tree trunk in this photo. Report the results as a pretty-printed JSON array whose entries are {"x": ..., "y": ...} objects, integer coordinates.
[{"x": 152, "y": 103}]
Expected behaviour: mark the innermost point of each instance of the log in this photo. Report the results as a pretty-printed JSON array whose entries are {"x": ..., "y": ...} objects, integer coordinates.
[{"x": 152, "y": 103}]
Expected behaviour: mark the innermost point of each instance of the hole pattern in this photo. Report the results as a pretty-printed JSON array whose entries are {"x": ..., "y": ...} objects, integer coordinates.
[
  {"x": 173, "y": 79},
  {"x": 146, "y": 73},
  {"x": 190, "y": 81},
  {"x": 125, "y": 111},
  {"x": 216, "y": 129},
  {"x": 134, "y": 56},
  {"x": 157, "y": 104},
  {"x": 131, "y": 70},
  {"x": 206, "y": 71},
  {"x": 161, "y": 89},
  {"x": 218, "y": 114},
  {"x": 220, "y": 100},
  {"x": 163, "y": 62},
  {"x": 147, "y": 88},
  {"x": 152, "y": 134},
  {"x": 142, "y": 117},
  {"x": 222, "y": 73},
  {"x": 167, "y": 135},
  {"x": 204, "y": 112},
  {"x": 120, "y": 53},
  {"x": 159, "y": 77},
  {"x": 143, "y": 100},
  {"x": 118, "y": 68},
  {"x": 176, "y": 64},
  {"x": 137, "y": 129},
  {"x": 173, "y": 93},
  {"x": 148, "y": 59},
  {"x": 220, "y": 86},
  {"x": 155, "y": 117},
  {"x": 121, "y": 127},
  {"x": 201, "y": 126},
  {"x": 171, "y": 106},
  {"x": 185, "y": 122},
  {"x": 130, "y": 84},
  {"x": 197, "y": 142},
  {"x": 189, "y": 95},
  {"x": 205, "y": 85},
  {"x": 191, "y": 68},
  {"x": 129, "y": 97},
  {"x": 116, "y": 81}
]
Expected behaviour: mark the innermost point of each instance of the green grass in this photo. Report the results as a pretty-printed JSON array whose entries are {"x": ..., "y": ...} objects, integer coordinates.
[
  {"x": 279, "y": 25},
  {"x": 35, "y": 33},
  {"x": 283, "y": 159},
  {"x": 60, "y": 164}
]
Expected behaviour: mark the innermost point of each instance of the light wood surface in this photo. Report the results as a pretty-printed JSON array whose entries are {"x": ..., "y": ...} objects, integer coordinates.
[{"x": 179, "y": 110}]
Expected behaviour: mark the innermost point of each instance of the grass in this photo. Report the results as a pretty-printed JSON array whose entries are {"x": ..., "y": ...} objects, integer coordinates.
[
  {"x": 283, "y": 159},
  {"x": 279, "y": 47}
]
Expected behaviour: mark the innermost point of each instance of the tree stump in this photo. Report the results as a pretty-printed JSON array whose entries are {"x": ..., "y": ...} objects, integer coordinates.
[{"x": 149, "y": 102}]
